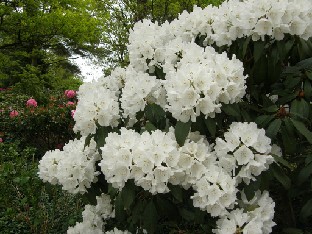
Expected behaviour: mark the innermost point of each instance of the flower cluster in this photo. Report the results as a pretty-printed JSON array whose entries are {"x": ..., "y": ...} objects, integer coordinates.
[
  {"x": 244, "y": 152},
  {"x": 31, "y": 102},
  {"x": 73, "y": 168},
  {"x": 254, "y": 216},
  {"x": 94, "y": 217}
]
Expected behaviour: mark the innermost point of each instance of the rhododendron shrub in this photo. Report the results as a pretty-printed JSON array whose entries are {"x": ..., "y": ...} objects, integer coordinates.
[{"x": 191, "y": 136}]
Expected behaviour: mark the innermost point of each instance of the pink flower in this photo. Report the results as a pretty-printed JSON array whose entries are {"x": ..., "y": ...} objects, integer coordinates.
[
  {"x": 70, "y": 93},
  {"x": 72, "y": 113},
  {"x": 13, "y": 113},
  {"x": 1, "y": 140},
  {"x": 31, "y": 102},
  {"x": 69, "y": 103}
]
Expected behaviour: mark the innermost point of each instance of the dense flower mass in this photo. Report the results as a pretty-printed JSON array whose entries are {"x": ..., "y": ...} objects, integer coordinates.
[
  {"x": 73, "y": 168},
  {"x": 31, "y": 102}
]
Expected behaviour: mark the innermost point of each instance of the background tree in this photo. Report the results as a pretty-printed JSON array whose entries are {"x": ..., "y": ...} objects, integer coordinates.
[{"x": 38, "y": 37}]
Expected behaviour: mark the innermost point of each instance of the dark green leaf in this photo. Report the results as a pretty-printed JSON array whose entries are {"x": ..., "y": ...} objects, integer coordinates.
[
  {"x": 150, "y": 217},
  {"x": 211, "y": 126},
  {"x": 156, "y": 115},
  {"x": 306, "y": 211},
  {"x": 232, "y": 110},
  {"x": 288, "y": 140},
  {"x": 128, "y": 194},
  {"x": 292, "y": 231},
  {"x": 186, "y": 214},
  {"x": 258, "y": 49},
  {"x": 300, "y": 108},
  {"x": 272, "y": 109},
  {"x": 304, "y": 174},
  {"x": 181, "y": 131},
  {"x": 101, "y": 134},
  {"x": 303, "y": 130},
  {"x": 280, "y": 175},
  {"x": 280, "y": 160},
  {"x": 177, "y": 192},
  {"x": 87, "y": 140},
  {"x": 245, "y": 46},
  {"x": 150, "y": 127},
  {"x": 307, "y": 89},
  {"x": 167, "y": 209},
  {"x": 119, "y": 209},
  {"x": 305, "y": 64},
  {"x": 263, "y": 120},
  {"x": 273, "y": 128}
]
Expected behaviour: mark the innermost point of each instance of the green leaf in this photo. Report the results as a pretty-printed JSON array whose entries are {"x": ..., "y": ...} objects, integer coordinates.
[
  {"x": 288, "y": 140},
  {"x": 305, "y": 64},
  {"x": 304, "y": 174},
  {"x": 273, "y": 128},
  {"x": 211, "y": 126},
  {"x": 280, "y": 160},
  {"x": 119, "y": 208},
  {"x": 181, "y": 131},
  {"x": 186, "y": 214},
  {"x": 232, "y": 110},
  {"x": 258, "y": 49},
  {"x": 156, "y": 115},
  {"x": 87, "y": 140},
  {"x": 263, "y": 120},
  {"x": 128, "y": 194},
  {"x": 272, "y": 109},
  {"x": 150, "y": 217},
  {"x": 150, "y": 127},
  {"x": 307, "y": 89},
  {"x": 300, "y": 107},
  {"x": 306, "y": 211},
  {"x": 280, "y": 175},
  {"x": 100, "y": 135},
  {"x": 166, "y": 208},
  {"x": 303, "y": 130},
  {"x": 292, "y": 231},
  {"x": 245, "y": 46},
  {"x": 177, "y": 192}
]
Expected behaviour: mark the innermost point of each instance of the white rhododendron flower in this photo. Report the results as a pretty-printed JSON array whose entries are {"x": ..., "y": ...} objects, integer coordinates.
[
  {"x": 246, "y": 147},
  {"x": 254, "y": 216},
  {"x": 94, "y": 217},
  {"x": 73, "y": 168}
]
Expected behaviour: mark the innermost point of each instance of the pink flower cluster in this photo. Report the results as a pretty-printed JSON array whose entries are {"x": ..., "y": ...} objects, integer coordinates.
[
  {"x": 13, "y": 113},
  {"x": 70, "y": 93},
  {"x": 31, "y": 102}
]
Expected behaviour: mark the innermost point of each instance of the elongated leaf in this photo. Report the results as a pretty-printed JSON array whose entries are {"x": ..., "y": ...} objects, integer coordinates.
[
  {"x": 303, "y": 130},
  {"x": 232, "y": 110},
  {"x": 306, "y": 210},
  {"x": 282, "y": 161},
  {"x": 263, "y": 120},
  {"x": 304, "y": 174},
  {"x": 150, "y": 127},
  {"x": 273, "y": 128},
  {"x": 258, "y": 49},
  {"x": 272, "y": 109},
  {"x": 150, "y": 217},
  {"x": 101, "y": 134},
  {"x": 119, "y": 209},
  {"x": 307, "y": 89},
  {"x": 300, "y": 108},
  {"x": 245, "y": 46},
  {"x": 181, "y": 131},
  {"x": 128, "y": 194},
  {"x": 211, "y": 126},
  {"x": 176, "y": 192},
  {"x": 280, "y": 175},
  {"x": 292, "y": 231}
]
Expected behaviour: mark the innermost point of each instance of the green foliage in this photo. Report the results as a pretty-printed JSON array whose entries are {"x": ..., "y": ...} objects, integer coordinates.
[
  {"x": 27, "y": 205},
  {"x": 47, "y": 126}
]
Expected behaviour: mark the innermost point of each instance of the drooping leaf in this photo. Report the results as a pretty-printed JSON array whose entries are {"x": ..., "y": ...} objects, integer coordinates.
[
  {"x": 281, "y": 176},
  {"x": 232, "y": 110},
  {"x": 156, "y": 115},
  {"x": 128, "y": 194},
  {"x": 258, "y": 49},
  {"x": 211, "y": 126},
  {"x": 292, "y": 231},
  {"x": 303, "y": 130},
  {"x": 300, "y": 108},
  {"x": 304, "y": 174},
  {"x": 150, "y": 217},
  {"x": 306, "y": 211},
  {"x": 181, "y": 131},
  {"x": 150, "y": 127},
  {"x": 263, "y": 120},
  {"x": 119, "y": 208}
]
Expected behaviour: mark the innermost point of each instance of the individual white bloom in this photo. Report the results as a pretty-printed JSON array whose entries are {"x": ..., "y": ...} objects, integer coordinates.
[{"x": 104, "y": 206}]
